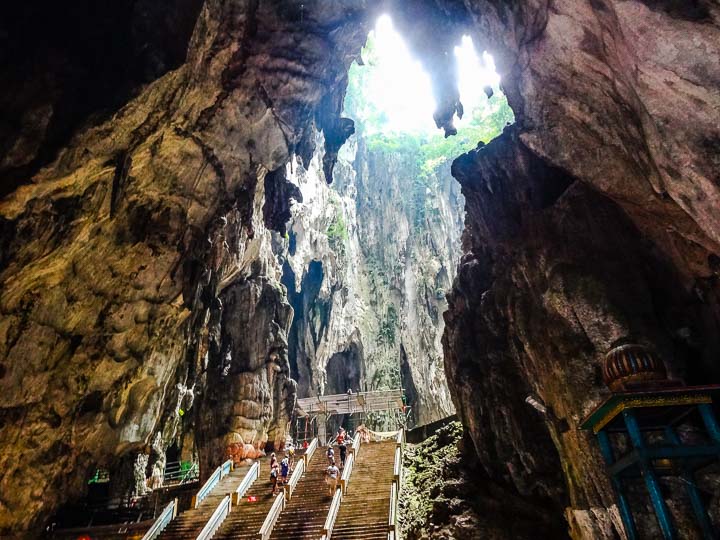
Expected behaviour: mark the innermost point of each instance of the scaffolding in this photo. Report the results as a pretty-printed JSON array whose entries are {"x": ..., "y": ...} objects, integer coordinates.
[{"x": 313, "y": 414}]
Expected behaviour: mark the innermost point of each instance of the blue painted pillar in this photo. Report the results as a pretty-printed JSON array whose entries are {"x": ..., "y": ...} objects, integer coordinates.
[
  {"x": 711, "y": 425},
  {"x": 692, "y": 490},
  {"x": 623, "y": 504},
  {"x": 651, "y": 480}
]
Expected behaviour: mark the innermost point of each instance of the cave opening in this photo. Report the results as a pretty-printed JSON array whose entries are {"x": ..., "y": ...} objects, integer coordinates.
[{"x": 387, "y": 231}]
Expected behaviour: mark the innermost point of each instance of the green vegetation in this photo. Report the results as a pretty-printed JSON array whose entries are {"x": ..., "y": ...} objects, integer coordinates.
[
  {"x": 386, "y": 335},
  {"x": 429, "y": 466},
  {"x": 424, "y": 152},
  {"x": 337, "y": 232}
]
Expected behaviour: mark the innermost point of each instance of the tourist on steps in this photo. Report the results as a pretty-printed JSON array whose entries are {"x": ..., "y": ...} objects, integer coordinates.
[
  {"x": 291, "y": 453},
  {"x": 331, "y": 477},
  {"x": 284, "y": 469},
  {"x": 343, "y": 453},
  {"x": 330, "y": 455},
  {"x": 274, "y": 473}
]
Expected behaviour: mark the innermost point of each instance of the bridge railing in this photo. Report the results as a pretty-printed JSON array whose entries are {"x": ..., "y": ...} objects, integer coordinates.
[
  {"x": 272, "y": 517},
  {"x": 216, "y": 520},
  {"x": 221, "y": 472},
  {"x": 167, "y": 515},
  {"x": 250, "y": 477}
]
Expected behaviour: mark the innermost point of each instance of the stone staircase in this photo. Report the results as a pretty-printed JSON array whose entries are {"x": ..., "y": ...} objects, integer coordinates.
[
  {"x": 246, "y": 518},
  {"x": 365, "y": 508},
  {"x": 304, "y": 516},
  {"x": 190, "y": 523}
]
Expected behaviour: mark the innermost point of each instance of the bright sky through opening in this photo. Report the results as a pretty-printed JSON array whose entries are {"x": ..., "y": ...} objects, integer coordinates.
[{"x": 401, "y": 88}]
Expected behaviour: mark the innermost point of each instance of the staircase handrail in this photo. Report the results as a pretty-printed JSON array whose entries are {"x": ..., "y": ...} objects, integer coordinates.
[
  {"x": 392, "y": 518},
  {"x": 165, "y": 517},
  {"x": 217, "y": 518},
  {"x": 332, "y": 514},
  {"x": 347, "y": 471},
  {"x": 295, "y": 478},
  {"x": 355, "y": 448},
  {"x": 211, "y": 482},
  {"x": 307, "y": 456},
  {"x": 226, "y": 468},
  {"x": 397, "y": 464},
  {"x": 395, "y": 488},
  {"x": 272, "y": 517},
  {"x": 250, "y": 477},
  {"x": 400, "y": 440}
]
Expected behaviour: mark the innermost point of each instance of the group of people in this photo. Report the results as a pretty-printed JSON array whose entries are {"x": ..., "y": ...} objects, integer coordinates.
[
  {"x": 279, "y": 472},
  {"x": 332, "y": 473}
]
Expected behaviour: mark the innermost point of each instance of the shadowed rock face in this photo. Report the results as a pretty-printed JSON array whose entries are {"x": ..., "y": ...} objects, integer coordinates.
[
  {"x": 131, "y": 248},
  {"x": 128, "y": 261},
  {"x": 594, "y": 219}
]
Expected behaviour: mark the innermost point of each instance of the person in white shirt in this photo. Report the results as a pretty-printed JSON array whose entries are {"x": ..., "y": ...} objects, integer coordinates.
[{"x": 331, "y": 477}]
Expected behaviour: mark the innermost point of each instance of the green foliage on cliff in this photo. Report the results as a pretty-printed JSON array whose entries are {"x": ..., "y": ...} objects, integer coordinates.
[
  {"x": 423, "y": 153},
  {"x": 337, "y": 232},
  {"x": 388, "y": 326},
  {"x": 428, "y": 467}
]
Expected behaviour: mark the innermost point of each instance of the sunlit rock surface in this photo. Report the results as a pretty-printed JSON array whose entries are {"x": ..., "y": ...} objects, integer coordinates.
[{"x": 367, "y": 277}]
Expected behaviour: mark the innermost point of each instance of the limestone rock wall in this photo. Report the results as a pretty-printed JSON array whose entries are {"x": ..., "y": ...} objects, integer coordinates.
[
  {"x": 368, "y": 272},
  {"x": 594, "y": 219},
  {"x": 129, "y": 261}
]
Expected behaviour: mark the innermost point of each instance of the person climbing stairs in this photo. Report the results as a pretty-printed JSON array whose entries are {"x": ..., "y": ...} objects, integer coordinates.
[
  {"x": 304, "y": 515},
  {"x": 365, "y": 508},
  {"x": 191, "y": 522}
]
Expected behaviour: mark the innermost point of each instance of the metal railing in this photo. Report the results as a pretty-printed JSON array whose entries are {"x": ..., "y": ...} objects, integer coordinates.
[
  {"x": 250, "y": 477},
  {"x": 221, "y": 472},
  {"x": 213, "y": 524},
  {"x": 332, "y": 514},
  {"x": 174, "y": 474},
  {"x": 272, "y": 517},
  {"x": 167, "y": 515},
  {"x": 294, "y": 479}
]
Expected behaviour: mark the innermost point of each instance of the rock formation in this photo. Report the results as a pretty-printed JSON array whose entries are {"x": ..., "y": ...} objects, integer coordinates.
[
  {"x": 593, "y": 220},
  {"x": 131, "y": 258},
  {"x": 142, "y": 180},
  {"x": 370, "y": 258}
]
